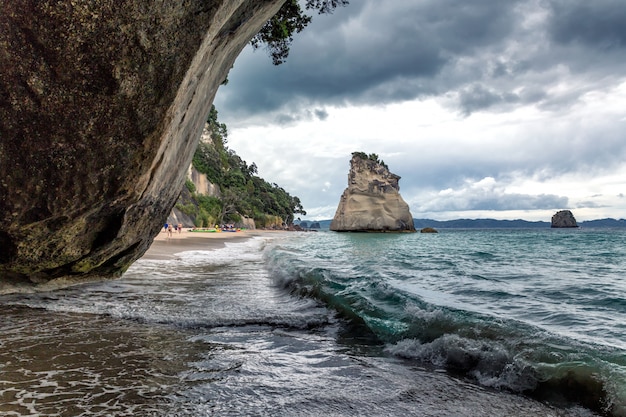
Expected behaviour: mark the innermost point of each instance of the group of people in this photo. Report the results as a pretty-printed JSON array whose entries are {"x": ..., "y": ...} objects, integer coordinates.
[{"x": 170, "y": 228}]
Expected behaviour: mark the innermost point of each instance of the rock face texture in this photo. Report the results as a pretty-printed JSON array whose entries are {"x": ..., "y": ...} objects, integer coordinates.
[
  {"x": 202, "y": 184},
  {"x": 101, "y": 107},
  {"x": 372, "y": 201},
  {"x": 563, "y": 219}
]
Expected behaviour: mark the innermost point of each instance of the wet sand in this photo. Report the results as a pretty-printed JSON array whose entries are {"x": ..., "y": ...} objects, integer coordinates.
[{"x": 165, "y": 247}]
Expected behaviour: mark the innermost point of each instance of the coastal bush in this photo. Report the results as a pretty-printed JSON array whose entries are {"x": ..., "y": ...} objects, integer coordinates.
[
  {"x": 243, "y": 192},
  {"x": 371, "y": 157},
  {"x": 189, "y": 209},
  {"x": 212, "y": 206},
  {"x": 190, "y": 185},
  {"x": 202, "y": 219}
]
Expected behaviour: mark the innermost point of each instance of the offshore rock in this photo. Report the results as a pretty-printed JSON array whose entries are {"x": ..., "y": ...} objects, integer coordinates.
[
  {"x": 372, "y": 201},
  {"x": 563, "y": 219},
  {"x": 101, "y": 107}
]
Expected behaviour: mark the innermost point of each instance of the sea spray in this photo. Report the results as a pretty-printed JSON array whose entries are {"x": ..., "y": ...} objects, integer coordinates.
[{"x": 474, "y": 310}]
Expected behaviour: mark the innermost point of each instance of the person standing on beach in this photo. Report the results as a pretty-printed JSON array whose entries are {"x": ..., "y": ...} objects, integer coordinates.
[
  {"x": 169, "y": 230},
  {"x": 180, "y": 227}
]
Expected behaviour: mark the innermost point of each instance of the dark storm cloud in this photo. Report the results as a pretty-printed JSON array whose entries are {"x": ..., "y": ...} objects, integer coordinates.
[
  {"x": 321, "y": 114},
  {"x": 371, "y": 53},
  {"x": 478, "y": 97},
  {"x": 486, "y": 55},
  {"x": 491, "y": 201},
  {"x": 598, "y": 23}
]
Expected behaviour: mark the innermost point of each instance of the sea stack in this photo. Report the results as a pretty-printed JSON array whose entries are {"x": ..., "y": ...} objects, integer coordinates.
[
  {"x": 372, "y": 201},
  {"x": 563, "y": 219}
]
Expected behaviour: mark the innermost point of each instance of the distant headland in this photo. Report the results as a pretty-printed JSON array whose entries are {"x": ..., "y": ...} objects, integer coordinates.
[{"x": 490, "y": 224}]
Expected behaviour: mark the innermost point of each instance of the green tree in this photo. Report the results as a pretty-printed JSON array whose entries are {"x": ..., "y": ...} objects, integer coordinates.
[
  {"x": 371, "y": 157},
  {"x": 230, "y": 201},
  {"x": 190, "y": 185},
  {"x": 277, "y": 33},
  {"x": 219, "y": 131},
  {"x": 209, "y": 210}
]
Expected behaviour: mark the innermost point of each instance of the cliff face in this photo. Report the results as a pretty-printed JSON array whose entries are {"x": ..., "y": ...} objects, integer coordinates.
[
  {"x": 202, "y": 184},
  {"x": 101, "y": 107},
  {"x": 563, "y": 219},
  {"x": 200, "y": 180},
  {"x": 372, "y": 201}
]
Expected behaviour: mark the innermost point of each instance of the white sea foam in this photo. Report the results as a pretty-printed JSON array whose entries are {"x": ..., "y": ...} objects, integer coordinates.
[{"x": 217, "y": 332}]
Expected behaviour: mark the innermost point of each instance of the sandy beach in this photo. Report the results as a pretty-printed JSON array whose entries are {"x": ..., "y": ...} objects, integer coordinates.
[{"x": 165, "y": 247}]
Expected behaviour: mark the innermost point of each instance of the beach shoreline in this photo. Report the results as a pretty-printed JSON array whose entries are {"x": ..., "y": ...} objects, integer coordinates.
[{"x": 166, "y": 247}]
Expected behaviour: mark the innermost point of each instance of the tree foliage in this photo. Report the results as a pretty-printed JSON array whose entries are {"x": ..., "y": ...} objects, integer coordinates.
[
  {"x": 243, "y": 191},
  {"x": 277, "y": 34},
  {"x": 371, "y": 157}
]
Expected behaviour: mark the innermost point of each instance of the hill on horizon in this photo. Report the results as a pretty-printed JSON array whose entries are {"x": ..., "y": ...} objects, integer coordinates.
[{"x": 494, "y": 224}]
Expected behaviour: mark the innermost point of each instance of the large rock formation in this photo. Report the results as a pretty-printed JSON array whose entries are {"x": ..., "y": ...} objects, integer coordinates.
[
  {"x": 563, "y": 219},
  {"x": 101, "y": 107},
  {"x": 372, "y": 201}
]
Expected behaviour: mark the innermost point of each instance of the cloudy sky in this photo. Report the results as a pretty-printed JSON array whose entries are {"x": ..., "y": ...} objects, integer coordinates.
[{"x": 486, "y": 109}]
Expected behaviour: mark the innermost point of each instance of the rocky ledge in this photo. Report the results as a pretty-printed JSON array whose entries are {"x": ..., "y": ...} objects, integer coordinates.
[{"x": 372, "y": 201}]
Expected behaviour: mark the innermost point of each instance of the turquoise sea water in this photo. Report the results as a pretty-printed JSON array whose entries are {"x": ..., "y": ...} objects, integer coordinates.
[{"x": 464, "y": 322}]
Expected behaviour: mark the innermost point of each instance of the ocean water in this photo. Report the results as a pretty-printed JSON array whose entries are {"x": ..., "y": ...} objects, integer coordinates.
[{"x": 460, "y": 323}]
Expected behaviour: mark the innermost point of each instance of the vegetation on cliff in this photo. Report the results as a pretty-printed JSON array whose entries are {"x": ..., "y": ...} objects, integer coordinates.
[
  {"x": 371, "y": 157},
  {"x": 277, "y": 33},
  {"x": 243, "y": 193}
]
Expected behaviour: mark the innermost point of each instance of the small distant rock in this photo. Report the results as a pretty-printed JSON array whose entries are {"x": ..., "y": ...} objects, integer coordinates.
[
  {"x": 563, "y": 219},
  {"x": 428, "y": 230}
]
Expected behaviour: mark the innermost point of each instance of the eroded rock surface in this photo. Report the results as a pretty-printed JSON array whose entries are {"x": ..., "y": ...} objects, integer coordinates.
[
  {"x": 563, "y": 219},
  {"x": 101, "y": 107},
  {"x": 372, "y": 201}
]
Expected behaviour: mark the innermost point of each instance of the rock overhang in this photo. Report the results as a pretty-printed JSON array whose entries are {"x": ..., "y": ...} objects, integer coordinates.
[{"x": 101, "y": 108}]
